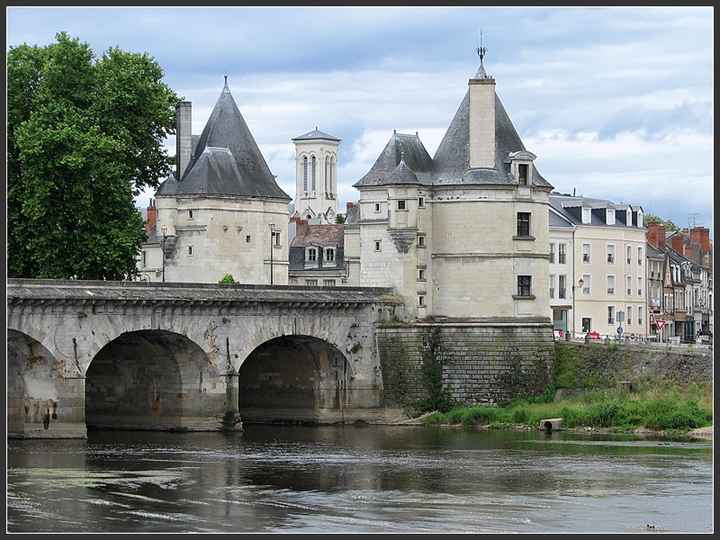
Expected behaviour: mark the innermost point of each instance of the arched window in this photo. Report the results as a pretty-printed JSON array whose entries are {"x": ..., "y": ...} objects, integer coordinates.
[
  {"x": 305, "y": 174},
  {"x": 314, "y": 172},
  {"x": 332, "y": 174},
  {"x": 327, "y": 174}
]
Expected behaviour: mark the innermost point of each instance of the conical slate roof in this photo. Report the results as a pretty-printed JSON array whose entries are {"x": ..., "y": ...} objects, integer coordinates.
[
  {"x": 401, "y": 147},
  {"x": 227, "y": 160},
  {"x": 316, "y": 134},
  {"x": 452, "y": 159},
  {"x": 402, "y": 175}
]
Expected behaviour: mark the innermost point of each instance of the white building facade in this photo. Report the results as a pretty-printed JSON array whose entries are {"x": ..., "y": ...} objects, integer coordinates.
[{"x": 316, "y": 157}]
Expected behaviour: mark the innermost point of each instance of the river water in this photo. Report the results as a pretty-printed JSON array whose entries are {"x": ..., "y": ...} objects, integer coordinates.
[{"x": 358, "y": 479}]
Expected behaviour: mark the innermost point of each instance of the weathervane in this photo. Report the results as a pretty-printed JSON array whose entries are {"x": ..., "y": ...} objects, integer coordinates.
[{"x": 481, "y": 50}]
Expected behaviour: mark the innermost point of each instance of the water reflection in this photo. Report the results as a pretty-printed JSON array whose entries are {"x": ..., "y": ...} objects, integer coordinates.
[{"x": 357, "y": 479}]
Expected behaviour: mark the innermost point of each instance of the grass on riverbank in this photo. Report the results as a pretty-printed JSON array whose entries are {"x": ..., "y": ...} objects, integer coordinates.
[{"x": 660, "y": 407}]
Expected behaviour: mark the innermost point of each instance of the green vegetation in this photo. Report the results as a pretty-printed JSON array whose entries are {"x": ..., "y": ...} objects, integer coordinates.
[
  {"x": 85, "y": 135},
  {"x": 669, "y": 225},
  {"x": 227, "y": 278},
  {"x": 660, "y": 406}
]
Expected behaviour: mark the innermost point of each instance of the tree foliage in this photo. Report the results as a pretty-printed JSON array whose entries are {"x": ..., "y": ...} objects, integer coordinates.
[
  {"x": 227, "y": 278},
  {"x": 85, "y": 136},
  {"x": 652, "y": 218}
]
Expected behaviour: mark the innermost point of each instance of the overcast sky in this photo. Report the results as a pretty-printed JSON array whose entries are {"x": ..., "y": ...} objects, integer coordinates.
[{"x": 616, "y": 103}]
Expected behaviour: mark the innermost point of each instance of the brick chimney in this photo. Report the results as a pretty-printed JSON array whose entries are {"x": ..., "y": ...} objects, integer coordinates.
[
  {"x": 348, "y": 206},
  {"x": 678, "y": 243},
  {"x": 151, "y": 220},
  {"x": 655, "y": 235},
  {"x": 701, "y": 236}
]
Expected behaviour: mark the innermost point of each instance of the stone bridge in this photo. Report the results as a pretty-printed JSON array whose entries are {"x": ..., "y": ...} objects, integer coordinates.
[{"x": 169, "y": 356}]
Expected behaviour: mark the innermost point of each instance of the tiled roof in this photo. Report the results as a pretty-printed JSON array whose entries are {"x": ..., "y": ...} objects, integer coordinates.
[
  {"x": 400, "y": 147},
  {"x": 319, "y": 235}
]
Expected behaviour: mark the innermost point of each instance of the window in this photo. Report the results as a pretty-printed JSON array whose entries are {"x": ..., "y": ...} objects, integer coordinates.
[
  {"x": 523, "y": 174},
  {"x": 314, "y": 172},
  {"x": 586, "y": 283},
  {"x": 401, "y": 205},
  {"x": 311, "y": 254},
  {"x": 190, "y": 214},
  {"x": 629, "y": 254},
  {"x": 377, "y": 207},
  {"x": 247, "y": 239},
  {"x": 552, "y": 285},
  {"x": 586, "y": 253},
  {"x": 329, "y": 254},
  {"x": 523, "y": 224},
  {"x": 611, "y": 284},
  {"x": 377, "y": 245},
  {"x": 640, "y": 315},
  {"x": 628, "y": 320},
  {"x": 421, "y": 274},
  {"x": 275, "y": 240},
  {"x": 524, "y": 285},
  {"x": 561, "y": 285},
  {"x": 611, "y": 314},
  {"x": 311, "y": 282},
  {"x": 421, "y": 240},
  {"x": 586, "y": 324},
  {"x": 305, "y": 174},
  {"x": 629, "y": 285},
  {"x": 421, "y": 202},
  {"x": 562, "y": 255},
  {"x": 144, "y": 258},
  {"x": 552, "y": 253},
  {"x": 586, "y": 215},
  {"x": 610, "y": 216},
  {"x": 640, "y": 287},
  {"x": 328, "y": 282},
  {"x": 421, "y": 300},
  {"x": 640, "y": 256},
  {"x": 190, "y": 251},
  {"x": 611, "y": 253}
]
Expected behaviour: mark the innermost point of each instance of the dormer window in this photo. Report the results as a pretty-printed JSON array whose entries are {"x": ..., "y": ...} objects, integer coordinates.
[
  {"x": 311, "y": 254},
  {"x": 586, "y": 215},
  {"x": 628, "y": 217},
  {"x": 640, "y": 218},
  {"x": 329, "y": 255},
  {"x": 610, "y": 216},
  {"x": 523, "y": 174}
]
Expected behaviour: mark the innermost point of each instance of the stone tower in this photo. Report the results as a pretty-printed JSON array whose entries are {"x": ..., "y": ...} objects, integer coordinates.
[{"x": 316, "y": 155}]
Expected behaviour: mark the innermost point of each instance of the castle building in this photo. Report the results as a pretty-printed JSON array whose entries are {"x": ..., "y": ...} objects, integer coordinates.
[
  {"x": 316, "y": 154},
  {"x": 462, "y": 235},
  {"x": 222, "y": 212}
]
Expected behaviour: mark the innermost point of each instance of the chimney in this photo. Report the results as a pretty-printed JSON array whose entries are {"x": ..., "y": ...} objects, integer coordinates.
[
  {"x": 655, "y": 235},
  {"x": 151, "y": 220},
  {"x": 701, "y": 236},
  {"x": 348, "y": 206},
  {"x": 482, "y": 120},
  {"x": 678, "y": 243},
  {"x": 183, "y": 137}
]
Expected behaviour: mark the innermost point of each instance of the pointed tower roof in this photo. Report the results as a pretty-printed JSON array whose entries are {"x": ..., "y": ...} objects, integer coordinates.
[
  {"x": 227, "y": 160},
  {"x": 404, "y": 148},
  {"x": 451, "y": 161}
]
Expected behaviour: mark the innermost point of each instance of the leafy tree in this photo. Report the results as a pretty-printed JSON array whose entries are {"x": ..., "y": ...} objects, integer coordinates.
[
  {"x": 227, "y": 278},
  {"x": 84, "y": 137},
  {"x": 339, "y": 219},
  {"x": 669, "y": 225}
]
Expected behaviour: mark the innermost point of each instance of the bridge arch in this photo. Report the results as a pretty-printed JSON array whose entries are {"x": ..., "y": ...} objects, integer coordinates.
[
  {"x": 153, "y": 380},
  {"x": 295, "y": 378},
  {"x": 39, "y": 396}
]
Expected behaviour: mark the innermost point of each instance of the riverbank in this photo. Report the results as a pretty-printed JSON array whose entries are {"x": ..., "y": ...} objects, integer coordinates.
[{"x": 668, "y": 408}]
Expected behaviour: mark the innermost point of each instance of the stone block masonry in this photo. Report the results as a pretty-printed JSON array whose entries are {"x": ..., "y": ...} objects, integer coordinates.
[{"x": 478, "y": 363}]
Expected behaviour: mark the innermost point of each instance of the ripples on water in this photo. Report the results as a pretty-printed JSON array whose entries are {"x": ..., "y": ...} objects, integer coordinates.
[{"x": 371, "y": 479}]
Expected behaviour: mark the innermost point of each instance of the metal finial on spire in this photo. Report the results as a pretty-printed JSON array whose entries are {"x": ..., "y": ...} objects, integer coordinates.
[
  {"x": 481, "y": 52},
  {"x": 226, "y": 88}
]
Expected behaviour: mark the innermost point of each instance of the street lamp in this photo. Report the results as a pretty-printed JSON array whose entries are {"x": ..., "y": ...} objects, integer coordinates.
[
  {"x": 164, "y": 236},
  {"x": 272, "y": 237},
  {"x": 580, "y": 284}
]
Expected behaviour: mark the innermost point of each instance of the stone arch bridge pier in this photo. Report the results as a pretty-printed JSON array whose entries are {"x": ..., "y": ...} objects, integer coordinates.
[{"x": 164, "y": 356}]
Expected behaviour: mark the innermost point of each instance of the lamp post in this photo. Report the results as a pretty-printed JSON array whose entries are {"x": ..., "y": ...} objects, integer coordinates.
[
  {"x": 164, "y": 236},
  {"x": 580, "y": 284},
  {"x": 272, "y": 236}
]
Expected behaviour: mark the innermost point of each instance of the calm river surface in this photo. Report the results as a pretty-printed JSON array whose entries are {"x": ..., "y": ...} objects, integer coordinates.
[{"x": 357, "y": 479}]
